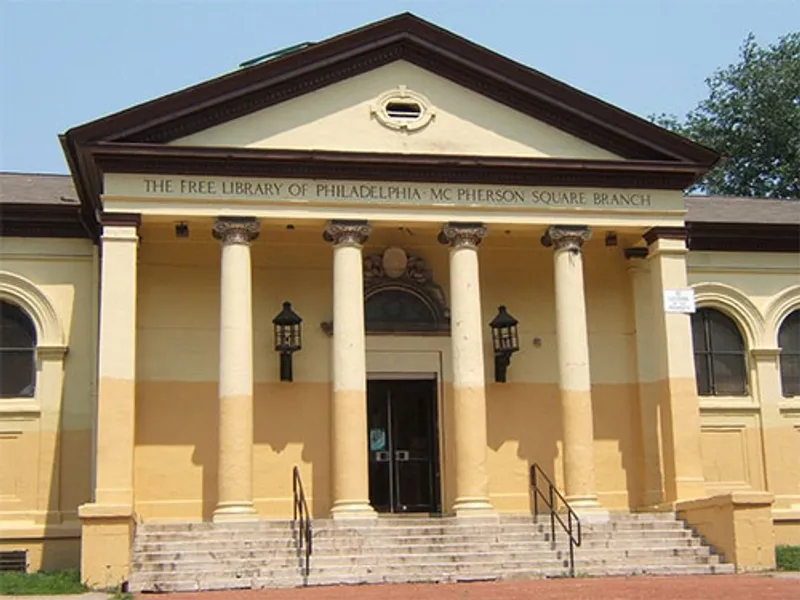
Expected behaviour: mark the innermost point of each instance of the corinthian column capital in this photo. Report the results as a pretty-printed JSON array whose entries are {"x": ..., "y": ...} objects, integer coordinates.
[
  {"x": 458, "y": 235},
  {"x": 236, "y": 230},
  {"x": 347, "y": 233},
  {"x": 566, "y": 237}
]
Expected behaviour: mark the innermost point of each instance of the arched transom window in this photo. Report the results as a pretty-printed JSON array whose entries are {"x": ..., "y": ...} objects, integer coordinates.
[
  {"x": 789, "y": 343},
  {"x": 17, "y": 352},
  {"x": 719, "y": 354}
]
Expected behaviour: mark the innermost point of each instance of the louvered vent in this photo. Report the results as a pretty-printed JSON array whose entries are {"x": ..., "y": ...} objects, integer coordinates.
[{"x": 14, "y": 560}]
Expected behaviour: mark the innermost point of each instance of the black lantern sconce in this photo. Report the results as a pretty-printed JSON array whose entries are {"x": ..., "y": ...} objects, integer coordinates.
[
  {"x": 505, "y": 341},
  {"x": 288, "y": 338}
]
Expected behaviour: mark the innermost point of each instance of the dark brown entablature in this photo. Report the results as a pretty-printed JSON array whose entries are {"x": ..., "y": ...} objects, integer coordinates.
[
  {"x": 744, "y": 237},
  {"x": 43, "y": 221},
  {"x": 245, "y": 162},
  {"x": 121, "y": 219},
  {"x": 664, "y": 233}
]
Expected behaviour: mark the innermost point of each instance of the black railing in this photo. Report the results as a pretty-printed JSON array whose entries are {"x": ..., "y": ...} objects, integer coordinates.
[
  {"x": 301, "y": 521},
  {"x": 551, "y": 499}
]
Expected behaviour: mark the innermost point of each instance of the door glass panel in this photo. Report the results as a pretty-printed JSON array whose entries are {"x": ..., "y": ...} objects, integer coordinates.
[
  {"x": 403, "y": 449},
  {"x": 411, "y": 411},
  {"x": 380, "y": 451}
]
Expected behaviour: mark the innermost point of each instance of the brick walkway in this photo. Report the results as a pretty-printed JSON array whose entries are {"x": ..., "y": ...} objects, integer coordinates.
[{"x": 720, "y": 587}]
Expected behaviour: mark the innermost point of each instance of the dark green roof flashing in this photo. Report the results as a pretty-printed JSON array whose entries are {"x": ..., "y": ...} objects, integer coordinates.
[{"x": 273, "y": 55}]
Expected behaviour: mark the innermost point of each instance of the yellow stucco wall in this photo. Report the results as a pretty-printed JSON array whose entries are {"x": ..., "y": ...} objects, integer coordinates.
[
  {"x": 749, "y": 441},
  {"x": 338, "y": 117},
  {"x": 46, "y": 442},
  {"x": 177, "y": 364}
]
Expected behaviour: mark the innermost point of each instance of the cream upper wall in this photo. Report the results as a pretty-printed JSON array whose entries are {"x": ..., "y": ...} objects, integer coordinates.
[
  {"x": 64, "y": 271},
  {"x": 178, "y": 308},
  {"x": 46, "y": 441},
  {"x": 756, "y": 289},
  {"x": 338, "y": 117}
]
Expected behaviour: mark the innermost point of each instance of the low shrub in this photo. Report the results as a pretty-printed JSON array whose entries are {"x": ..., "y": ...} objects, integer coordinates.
[
  {"x": 788, "y": 558},
  {"x": 43, "y": 583}
]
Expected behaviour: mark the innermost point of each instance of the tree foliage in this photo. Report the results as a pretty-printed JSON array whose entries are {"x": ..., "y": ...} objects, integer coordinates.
[{"x": 751, "y": 117}]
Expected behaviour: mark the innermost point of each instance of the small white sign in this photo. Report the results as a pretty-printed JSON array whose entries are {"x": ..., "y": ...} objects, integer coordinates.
[{"x": 679, "y": 301}]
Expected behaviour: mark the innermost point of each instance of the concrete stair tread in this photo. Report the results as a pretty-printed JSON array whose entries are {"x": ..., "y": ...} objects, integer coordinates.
[{"x": 198, "y": 556}]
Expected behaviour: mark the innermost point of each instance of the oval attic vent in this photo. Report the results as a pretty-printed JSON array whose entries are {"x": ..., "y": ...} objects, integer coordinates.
[{"x": 403, "y": 109}]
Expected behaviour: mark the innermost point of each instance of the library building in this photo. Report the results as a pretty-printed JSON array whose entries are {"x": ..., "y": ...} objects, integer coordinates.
[{"x": 392, "y": 294}]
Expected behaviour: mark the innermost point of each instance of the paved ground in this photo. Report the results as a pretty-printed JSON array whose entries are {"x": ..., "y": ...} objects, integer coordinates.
[{"x": 719, "y": 587}]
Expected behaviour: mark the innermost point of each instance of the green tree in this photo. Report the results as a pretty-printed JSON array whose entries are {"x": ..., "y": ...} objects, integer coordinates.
[{"x": 751, "y": 117}]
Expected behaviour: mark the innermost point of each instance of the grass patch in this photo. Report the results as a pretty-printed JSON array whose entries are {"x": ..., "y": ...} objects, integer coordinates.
[
  {"x": 43, "y": 583},
  {"x": 788, "y": 558}
]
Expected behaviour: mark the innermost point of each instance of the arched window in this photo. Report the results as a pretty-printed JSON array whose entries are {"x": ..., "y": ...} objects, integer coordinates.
[
  {"x": 17, "y": 353},
  {"x": 719, "y": 357},
  {"x": 397, "y": 310},
  {"x": 789, "y": 343}
]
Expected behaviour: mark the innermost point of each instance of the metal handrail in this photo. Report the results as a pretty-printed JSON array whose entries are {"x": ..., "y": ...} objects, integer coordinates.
[
  {"x": 550, "y": 500},
  {"x": 302, "y": 518}
]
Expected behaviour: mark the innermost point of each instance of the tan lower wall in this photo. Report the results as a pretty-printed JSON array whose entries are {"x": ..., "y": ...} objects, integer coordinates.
[
  {"x": 176, "y": 445},
  {"x": 739, "y": 525},
  {"x": 43, "y": 488},
  {"x": 49, "y": 554},
  {"x": 787, "y": 528}
]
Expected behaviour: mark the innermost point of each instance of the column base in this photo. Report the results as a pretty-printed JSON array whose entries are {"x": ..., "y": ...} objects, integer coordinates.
[
  {"x": 583, "y": 501},
  {"x": 474, "y": 507},
  {"x": 234, "y": 512},
  {"x": 353, "y": 509},
  {"x": 106, "y": 543},
  {"x": 588, "y": 509}
]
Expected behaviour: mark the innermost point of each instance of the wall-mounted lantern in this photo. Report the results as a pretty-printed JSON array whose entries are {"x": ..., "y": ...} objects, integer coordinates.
[
  {"x": 505, "y": 341},
  {"x": 288, "y": 338}
]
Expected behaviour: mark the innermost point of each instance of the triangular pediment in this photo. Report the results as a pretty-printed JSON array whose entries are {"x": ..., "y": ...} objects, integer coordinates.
[
  {"x": 305, "y": 113},
  {"x": 351, "y": 116}
]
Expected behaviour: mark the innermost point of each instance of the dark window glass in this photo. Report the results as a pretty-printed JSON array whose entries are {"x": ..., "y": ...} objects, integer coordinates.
[
  {"x": 789, "y": 343},
  {"x": 17, "y": 352},
  {"x": 397, "y": 310},
  {"x": 719, "y": 356}
]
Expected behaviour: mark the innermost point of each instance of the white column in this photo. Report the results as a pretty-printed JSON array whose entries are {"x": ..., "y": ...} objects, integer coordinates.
[
  {"x": 573, "y": 365},
  {"x": 107, "y": 522},
  {"x": 349, "y": 452},
  {"x": 676, "y": 388},
  {"x": 235, "y": 479},
  {"x": 469, "y": 405},
  {"x": 652, "y": 493}
]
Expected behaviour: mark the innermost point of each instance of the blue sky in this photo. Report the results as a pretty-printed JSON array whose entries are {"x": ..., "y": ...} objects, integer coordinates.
[{"x": 66, "y": 62}]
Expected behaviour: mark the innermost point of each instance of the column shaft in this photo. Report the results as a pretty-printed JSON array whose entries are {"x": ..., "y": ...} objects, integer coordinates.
[
  {"x": 469, "y": 402},
  {"x": 235, "y": 479},
  {"x": 117, "y": 368},
  {"x": 573, "y": 365},
  {"x": 652, "y": 493},
  {"x": 107, "y": 522},
  {"x": 676, "y": 390},
  {"x": 349, "y": 452}
]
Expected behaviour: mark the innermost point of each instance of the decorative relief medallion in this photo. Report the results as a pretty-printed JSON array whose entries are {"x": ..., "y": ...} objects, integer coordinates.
[
  {"x": 406, "y": 302},
  {"x": 460, "y": 235},
  {"x": 236, "y": 230},
  {"x": 402, "y": 110},
  {"x": 394, "y": 262},
  {"x": 347, "y": 233},
  {"x": 566, "y": 237},
  {"x": 401, "y": 295}
]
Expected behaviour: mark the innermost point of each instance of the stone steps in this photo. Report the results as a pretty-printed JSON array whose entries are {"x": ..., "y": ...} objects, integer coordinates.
[
  {"x": 296, "y": 580},
  {"x": 205, "y": 556}
]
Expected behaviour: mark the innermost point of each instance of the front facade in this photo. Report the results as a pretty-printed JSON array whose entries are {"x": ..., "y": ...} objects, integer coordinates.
[{"x": 396, "y": 185}]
